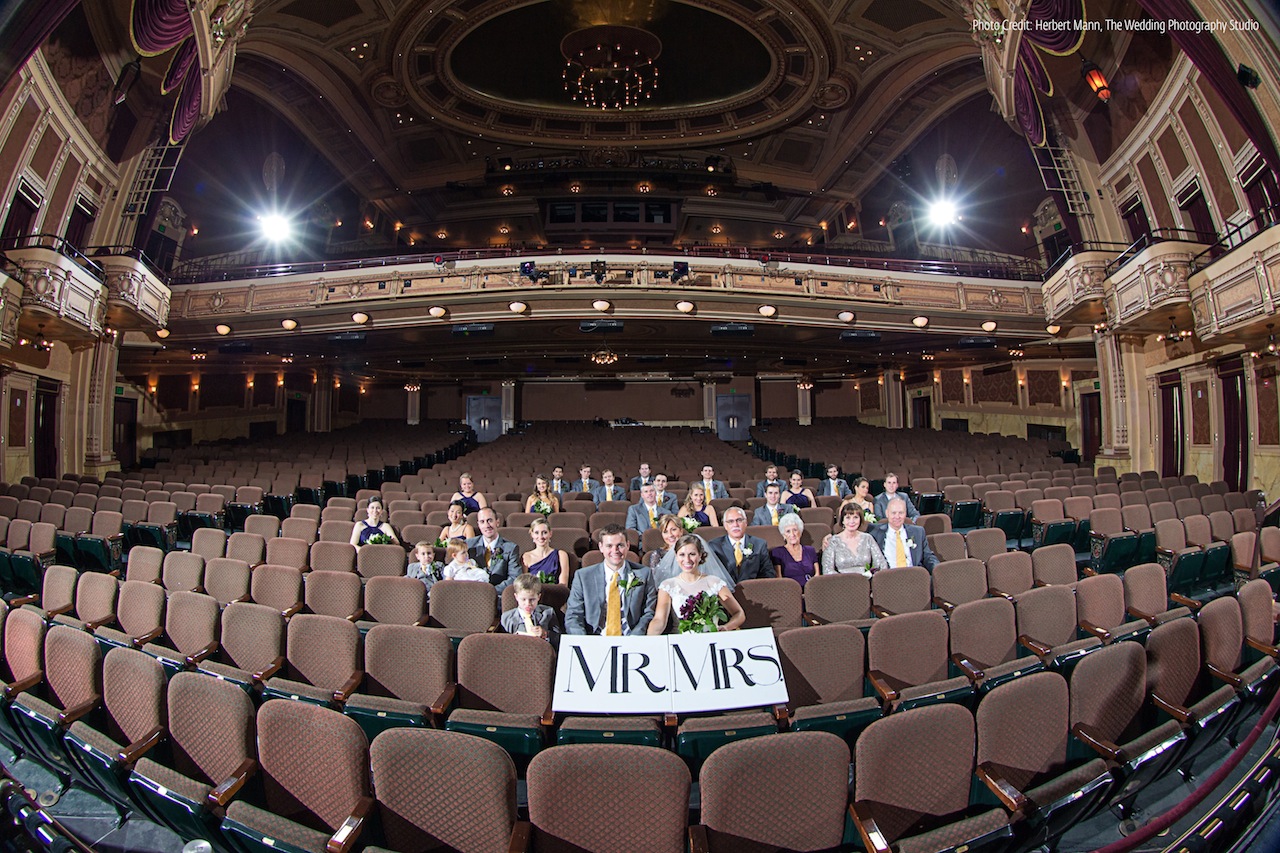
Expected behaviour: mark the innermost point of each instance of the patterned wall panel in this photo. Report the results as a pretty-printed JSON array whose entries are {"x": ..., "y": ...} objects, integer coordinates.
[
  {"x": 1078, "y": 375},
  {"x": 953, "y": 386},
  {"x": 1044, "y": 386},
  {"x": 869, "y": 396},
  {"x": 995, "y": 387},
  {"x": 1268, "y": 405},
  {"x": 1200, "y": 413}
]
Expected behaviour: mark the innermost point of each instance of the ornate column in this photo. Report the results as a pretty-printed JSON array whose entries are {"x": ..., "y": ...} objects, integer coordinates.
[
  {"x": 413, "y": 402},
  {"x": 322, "y": 401},
  {"x": 804, "y": 404},
  {"x": 892, "y": 399},
  {"x": 90, "y": 407},
  {"x": 709, "y": 404},
  {"x": 1125, "y": 409},
  {"x": 508, "y": 405}
]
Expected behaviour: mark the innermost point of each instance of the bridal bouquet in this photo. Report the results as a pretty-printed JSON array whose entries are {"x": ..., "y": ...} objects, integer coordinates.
[
  {"x": 379, "y": 539},
  {"x": 689, "y": 523},
  {"x": 542, "y": 507},
  {"x": 702, "y": 613}
]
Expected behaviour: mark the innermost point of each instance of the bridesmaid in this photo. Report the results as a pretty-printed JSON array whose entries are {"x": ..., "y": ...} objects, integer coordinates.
[{"x": 543, "y": 558}]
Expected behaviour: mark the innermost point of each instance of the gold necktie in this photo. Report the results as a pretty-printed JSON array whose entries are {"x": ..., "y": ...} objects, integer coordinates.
[
  {"x": 900, "y": 555},
  {"x": 774, "y": 512},
  {"x": 653, "y": 517},
  {"x": 608, "y": 493},
  {"x": 737, "y": 554},
  {"x": 613, "y": 607},
  {"x": 834, "y": 490}
]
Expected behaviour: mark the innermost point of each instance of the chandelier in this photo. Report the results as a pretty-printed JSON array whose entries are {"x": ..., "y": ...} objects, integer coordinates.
[
  {"x": 610, "y": 66},
  {"x": 1174, "y": 334},
  {"x": 604, "y": 357},
  {"x": 804, "y": 383}
]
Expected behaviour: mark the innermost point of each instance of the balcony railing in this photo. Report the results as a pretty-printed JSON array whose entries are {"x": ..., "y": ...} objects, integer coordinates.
[
  {"x": 1028, "y": 270},
  {"x": 1238, "y": 236},
  {"x": 56, "y": 244},
  {"x": 1159, "y": 235}
]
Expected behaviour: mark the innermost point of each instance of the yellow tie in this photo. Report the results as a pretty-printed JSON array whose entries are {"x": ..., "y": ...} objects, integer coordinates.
[
  {"x": 608, "y": 493},
  {"x": 834, "y": 490},
  {"x": 900, "y": 555},
  {"x": 613, "y": 616},
  {"x": 774, "y": 512},
  {"x": 737, "y": 554},
  {"x": 653, "y": 517}
]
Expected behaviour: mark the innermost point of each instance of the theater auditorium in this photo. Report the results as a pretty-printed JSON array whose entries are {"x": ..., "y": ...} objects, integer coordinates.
[{"x": 639, "y": 425}]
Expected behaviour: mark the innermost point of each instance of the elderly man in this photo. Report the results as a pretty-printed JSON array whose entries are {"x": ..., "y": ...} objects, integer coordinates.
[
  {"x": 645, "y": 514},
  {"x": 890, "y": 493},
  {"x": 614, "y": 597},
  {"x": 500, "y": 557},
  {"x": 902, "y": 544},
  {"x": 773, "y": 508},
  {"x": 745, "y": 557}
]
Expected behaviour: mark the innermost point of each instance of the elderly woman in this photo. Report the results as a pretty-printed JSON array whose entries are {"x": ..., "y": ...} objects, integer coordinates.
[
  {"x": 467, "y": 493},
  {"x": 851, "y": 550},
  {"x": 374, "y": 523},
  {"x": 792, "y": 559}
]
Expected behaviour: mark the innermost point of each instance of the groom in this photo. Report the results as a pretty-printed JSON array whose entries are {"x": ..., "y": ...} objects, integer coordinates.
[{"x": 612, "y": 598}]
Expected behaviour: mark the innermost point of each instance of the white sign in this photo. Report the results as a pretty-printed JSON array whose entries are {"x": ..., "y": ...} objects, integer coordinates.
[{"x": 678, "y": 673}]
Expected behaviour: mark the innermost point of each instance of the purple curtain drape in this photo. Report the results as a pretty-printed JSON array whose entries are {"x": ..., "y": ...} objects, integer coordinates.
[
  {"x": 182, "y": 59},
  {"x": 186, "y": 111},
  {"x": 1204, "y": 51},
  {"x": 1053, "y": 40},
  {"x": 159, "y": 25}
]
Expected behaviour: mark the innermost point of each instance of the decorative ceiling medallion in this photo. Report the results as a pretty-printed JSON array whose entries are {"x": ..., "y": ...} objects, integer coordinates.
[
  {"x": 387, "y": 92},
  {"x": 832, "y": 95}
]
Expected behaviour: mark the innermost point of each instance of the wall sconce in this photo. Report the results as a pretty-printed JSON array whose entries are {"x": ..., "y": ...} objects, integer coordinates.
[
  {"x": 280, "y": 381},
  {"x": 504, "y": 229},
  {"x": 716, "y": 229},
  {"x": 360, "y": 318},
  {"x": 288, "y": 324},
  {"x": 767, "y": 311},
  {"x": 441, "y": 234},
  {"x": 362, "y": 390},
  {"x": 644, "y": 187},
  {"x": 195, "y": 386},
  {"x": 880, "y": 380},
  {"x": 222, "y": 329},
  {"x": 1097, "y": 81},
  {"x": 508, "y": 190},
  {"x": 151, "y": 389},
  {"x": 337, "y": 383},
  {"x": 804, "y": 383},
  {"x": 436, "y": 311},
  {"x": 250, "y": 383},
  {"x": 920, "y": 322}
]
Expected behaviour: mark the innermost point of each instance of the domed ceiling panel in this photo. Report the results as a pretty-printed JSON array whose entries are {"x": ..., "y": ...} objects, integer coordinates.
[{"x": 509, "y": 69}]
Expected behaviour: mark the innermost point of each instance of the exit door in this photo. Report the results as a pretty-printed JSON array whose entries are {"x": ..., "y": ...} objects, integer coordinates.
[
  {"x": 733, "y": 417},
  {"x": 484, "y": 415}
]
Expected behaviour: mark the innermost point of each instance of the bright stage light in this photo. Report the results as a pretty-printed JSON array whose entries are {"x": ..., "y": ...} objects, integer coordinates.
[
  {"x": 943, "y": 212},
  {"x": 275, "y": 228}
]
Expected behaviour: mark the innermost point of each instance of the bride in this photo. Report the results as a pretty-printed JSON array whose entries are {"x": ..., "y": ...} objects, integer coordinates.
[{"x": 692, "y": 556}]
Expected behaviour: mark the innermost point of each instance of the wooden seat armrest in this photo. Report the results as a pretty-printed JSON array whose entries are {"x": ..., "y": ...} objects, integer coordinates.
[
  {"x": 1010, "y": 797},
  {"x": 1088, "y": 736},
  {"x": 131, "y": 753},
  {"x": 93, "y": 626},
  {"x": 246, "y": 598},
  {"x": 357, "y": 616},
  {"x": 548, "y": 718},
  {"x": 1097, "y": 535},
  {"x": 198, "y": 588},
  {"x": 1189, "y": 603},
  {"x": 272, "y": 668},
  {"x": 1223, "y": 675},
  {"x": 1036, "y": 584},
  {"x": 1035, "y": 520},
  {"x": 231, "y": 786},
  {"x": 698, "y": 842},
  {"x": 780, "y": 714},
  {"x": 27, "y": 599},
  {"x": 1138, "y": 614},
  {"x": 292, "y": 609},
  {"x": 69, "y": 716},
  {"x": 115, "y": 573},
  {"x": 996, "y": 593},
  {"x": 967, "y": 667},
  {"x": 1178, "y": 712},
  {"x": 809, "y": 619},
  {"x": 444, "y": 700},
  {"x": 202, "y": 654},
  {"x": 1101, "y": 633},
  {"x": 23, "y": 685},
  {"x": 881, "y": 683},
  {"x": 671, "y": 721},
  {"x": 1162, "y": 551},
  {"x": 521, "y": 837},
  {"x": 942, "y": 604},
  {"x": 149, "y": 637},
  {"x": 1266, "y": 649},
  {"x": 1088, "y": 571},
  {"x": 873, "y": 840},
  {"x": 350, "y": 686},
  {"x": 345, "y": 838},
  {"x": 1038, "y": 648},
  {"x": 422, "y": 623},
  {"x": 881, "y": 612}
]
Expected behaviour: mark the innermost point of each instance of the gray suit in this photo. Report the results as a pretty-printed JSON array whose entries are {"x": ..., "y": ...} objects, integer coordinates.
[
  {"x": 565, "y": 486},
  {"x": 578, "y": 486},
  {"x": 638, "y": 516},
  {"x": 757, "y": 564},
  {"x": 619, "y": 493},
  {"x": 585, "y": 612},
  {"x": 763, "y": 484},
  {"x": 763, "y": 517},
  {"x": 920, "y": 555},
  {"x": 717, "y": 488},
  {"x": 637, "y": 482},
  {"x": 512, "y": 622},
  {"x": 882, "y": 504},
  {"x": 505, "y": 566},
  {"x": 842, "y": 486},
  {"x": 669, "y": 501}
]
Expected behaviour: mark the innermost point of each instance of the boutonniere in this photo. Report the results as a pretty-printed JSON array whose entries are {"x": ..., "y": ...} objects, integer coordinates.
[
  {"x": 747, "y": 550},
  {"x": 911, "y": 545},
  {"x": 629, "y": 583}
]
